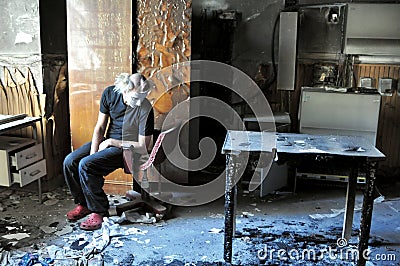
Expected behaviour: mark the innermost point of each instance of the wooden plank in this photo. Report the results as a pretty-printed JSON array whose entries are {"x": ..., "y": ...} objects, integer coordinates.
[
  {"x": 360, "y": 74},
  {"x": 371, "y": 75},
  {"x": 376, "y": 75},
  {"x": 362, "y": 71},
  {"x": 367, "y": 70},
  {"x": 391, "y": 71},
  {"x": 385, "y": 72}
]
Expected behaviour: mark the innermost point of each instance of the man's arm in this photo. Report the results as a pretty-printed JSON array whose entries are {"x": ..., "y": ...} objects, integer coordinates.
[
  {"x": 98, "y": 132},
  {"x": 141, "y": 146}
]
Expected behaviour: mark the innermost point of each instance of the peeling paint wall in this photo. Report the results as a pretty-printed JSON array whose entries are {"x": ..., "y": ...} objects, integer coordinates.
[
  {"x": 20, "y": 38},
  {"x": 19, "y": 27},
  {"x": 24, "y": 49}
]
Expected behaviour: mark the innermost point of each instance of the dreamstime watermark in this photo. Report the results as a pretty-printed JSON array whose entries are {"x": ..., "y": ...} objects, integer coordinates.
[
  {"x": 228, "y": 77},
  {"x": 341, "y": 252}
]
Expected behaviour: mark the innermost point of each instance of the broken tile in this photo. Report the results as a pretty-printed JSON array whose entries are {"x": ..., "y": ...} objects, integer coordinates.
[
  {"x": 51, "y": 202},
  {"x": 51, "y": 195},
  {"x": 34, "y": 197},
  {"x": 66, "y": 230},
  {"x": 215, "y": 230},
  {"x": 218, "y": 215},
  {"x": 14, "y": 197},
  {"x": 17, "y": 236},
  {"x": 247, "y": 214},
  {"x": 48, "y": 229}
]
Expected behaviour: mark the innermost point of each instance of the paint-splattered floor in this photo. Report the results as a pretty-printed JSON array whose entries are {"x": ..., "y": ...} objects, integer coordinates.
[{"x": 275, "y": 230}]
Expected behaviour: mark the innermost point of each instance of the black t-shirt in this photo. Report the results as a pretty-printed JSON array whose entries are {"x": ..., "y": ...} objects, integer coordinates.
[
  {"x": 139, "y": 120},
  {"x": 112, "y": 104}
]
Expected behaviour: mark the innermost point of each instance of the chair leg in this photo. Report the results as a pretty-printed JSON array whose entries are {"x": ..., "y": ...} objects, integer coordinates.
[
  {"x": 159, "y": 180},
  {"x": 145, "y": 186}
]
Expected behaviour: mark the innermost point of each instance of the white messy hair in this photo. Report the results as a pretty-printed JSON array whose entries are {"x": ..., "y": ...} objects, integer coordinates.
[
  {"x": 123, "y": 83},
  {"x": 139, "y": 82}
]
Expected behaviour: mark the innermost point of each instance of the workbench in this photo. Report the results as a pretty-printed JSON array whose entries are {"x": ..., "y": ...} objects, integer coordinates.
[{"x": 355, "y": 152}]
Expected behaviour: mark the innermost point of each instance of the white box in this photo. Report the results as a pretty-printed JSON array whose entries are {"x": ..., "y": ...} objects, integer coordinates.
[{"x": 338, "y": 113}]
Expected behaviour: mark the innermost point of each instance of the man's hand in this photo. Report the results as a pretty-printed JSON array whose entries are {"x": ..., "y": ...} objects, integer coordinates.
[{"x": 109, "y": 142}]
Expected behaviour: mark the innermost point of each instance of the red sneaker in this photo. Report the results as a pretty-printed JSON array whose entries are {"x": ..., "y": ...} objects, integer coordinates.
[
  {"x": 92, "y": 223},
  {"x": 77, "y": 213}
]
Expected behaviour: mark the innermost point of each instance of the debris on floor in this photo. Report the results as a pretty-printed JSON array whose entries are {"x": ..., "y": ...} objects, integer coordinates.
[
  {"x": 336, "y": 212},
  {"x": 135, "y": 217},
  {"x": 215, "y": 231},
  {"x": 192, "y": 235}
]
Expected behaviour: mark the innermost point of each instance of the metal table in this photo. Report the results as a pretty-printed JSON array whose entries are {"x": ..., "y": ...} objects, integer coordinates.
[
  {"x": 14, "y": 122},
  {"x": 357, "y": 151}
]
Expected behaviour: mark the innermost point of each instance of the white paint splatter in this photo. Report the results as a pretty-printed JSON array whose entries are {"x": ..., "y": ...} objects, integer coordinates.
[{"x": 23, "y": 37}]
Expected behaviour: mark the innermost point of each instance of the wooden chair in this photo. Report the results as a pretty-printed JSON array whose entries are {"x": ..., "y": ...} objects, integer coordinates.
[{"x": 154, "y": 159}]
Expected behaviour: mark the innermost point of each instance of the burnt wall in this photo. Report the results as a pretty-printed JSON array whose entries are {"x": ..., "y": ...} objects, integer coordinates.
[{"x": 252, "y": 36}]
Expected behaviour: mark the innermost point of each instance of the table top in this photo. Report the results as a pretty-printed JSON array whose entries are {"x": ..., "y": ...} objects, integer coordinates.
[
  {"x": 11, "y": 124},
  {"x": 247, "y": 141},
  {"x": 243, "y": 141},
  {"x": 354, "y": 146}
]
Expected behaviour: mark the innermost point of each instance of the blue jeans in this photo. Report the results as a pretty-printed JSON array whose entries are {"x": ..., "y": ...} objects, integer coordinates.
[{"x": 84, "y": 175}]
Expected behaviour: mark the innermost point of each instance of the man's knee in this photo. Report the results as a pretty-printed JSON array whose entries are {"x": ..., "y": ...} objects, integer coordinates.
[
  {"x": 68, "y": 161},
  {"x": 84, "y": 166}
]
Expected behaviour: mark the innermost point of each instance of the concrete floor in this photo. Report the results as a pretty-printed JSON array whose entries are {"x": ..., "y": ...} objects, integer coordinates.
[{"x": 194, "y": 236}]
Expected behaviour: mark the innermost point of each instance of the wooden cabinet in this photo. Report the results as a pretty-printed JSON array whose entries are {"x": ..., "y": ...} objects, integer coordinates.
[{"x": 21, "y": 161}]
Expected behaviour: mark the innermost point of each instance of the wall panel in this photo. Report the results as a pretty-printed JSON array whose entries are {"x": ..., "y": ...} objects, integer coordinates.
[{"x": 99, "y": 47}]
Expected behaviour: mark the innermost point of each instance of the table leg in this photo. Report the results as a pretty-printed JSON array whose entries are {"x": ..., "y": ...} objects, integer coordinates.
[
  {"x": 366, "y": 215},
  {"x": 230, "y": 204},
  {"x": 40, "y": 190},
  {"x": 350, "y": 202}
]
